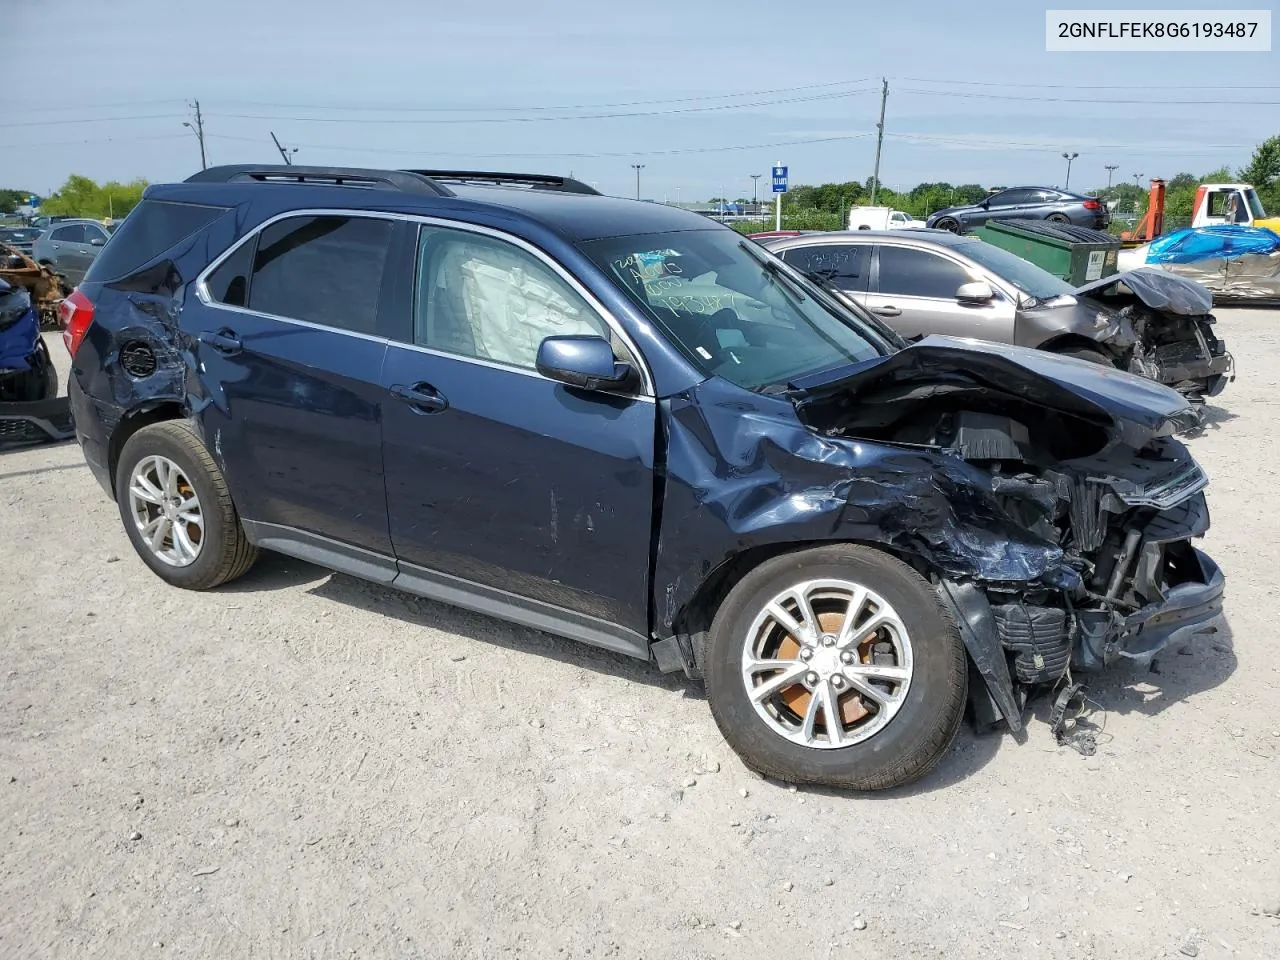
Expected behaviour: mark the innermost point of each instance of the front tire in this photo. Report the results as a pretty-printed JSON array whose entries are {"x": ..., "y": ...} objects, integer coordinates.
[
  {"x": 838, "y": 666},
  {"x": 948, "y": 223},
  {"x": 177, "y": 510}
]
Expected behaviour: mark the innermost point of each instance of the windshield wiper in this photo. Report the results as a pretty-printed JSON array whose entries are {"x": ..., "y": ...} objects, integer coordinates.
[{"x": 785, "y": 282}]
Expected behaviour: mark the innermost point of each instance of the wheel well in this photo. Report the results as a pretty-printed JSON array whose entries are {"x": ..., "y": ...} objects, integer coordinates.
[
  {"x": 134, "y": 421},
  {"x": 694, "y": 620},
  {"x": 1073, "y": 341}
]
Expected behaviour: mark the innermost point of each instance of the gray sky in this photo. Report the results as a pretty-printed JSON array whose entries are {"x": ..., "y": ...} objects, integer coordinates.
[{"x": 489, "y": 85}]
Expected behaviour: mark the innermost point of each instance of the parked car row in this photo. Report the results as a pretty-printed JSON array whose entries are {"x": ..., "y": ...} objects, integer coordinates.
[{"x": 628, "y": 425}]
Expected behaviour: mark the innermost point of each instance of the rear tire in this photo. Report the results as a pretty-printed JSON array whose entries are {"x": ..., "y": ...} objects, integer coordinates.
[
  {"x": 162, "y": 467},
  {"x": 912, "y": 722},
  {"x": 1058, "y": 218}
]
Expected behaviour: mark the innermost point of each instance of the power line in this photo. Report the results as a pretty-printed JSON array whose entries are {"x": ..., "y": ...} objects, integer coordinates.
[
  {"x": 586, "y": 116},
  {"x": 1089, "y": 86},
  {"x": 365, "y": 108},
  {"x": 45, "y": 108},
  {"x": 1146, "y": 148},
  {"x": 1095, "y": 100},
  {"x": 51, "y": 123},
  {"x": 72, "y": 143},
  {"x": 555, "y": 156}
]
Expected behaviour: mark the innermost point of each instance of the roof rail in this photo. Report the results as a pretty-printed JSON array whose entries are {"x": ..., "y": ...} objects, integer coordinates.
[
  {"x": 402, "y": 180},
  {"x": 535, "y": 181}
]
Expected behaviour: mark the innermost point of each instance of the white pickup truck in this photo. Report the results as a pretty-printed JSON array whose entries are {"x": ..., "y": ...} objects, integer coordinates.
[{"x": 882, "y": 218}]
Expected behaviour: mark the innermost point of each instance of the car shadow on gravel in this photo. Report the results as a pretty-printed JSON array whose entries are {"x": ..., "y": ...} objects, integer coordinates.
[
  {"x": 420, "y": 612},
  {"x": 1178, "y": 674}
]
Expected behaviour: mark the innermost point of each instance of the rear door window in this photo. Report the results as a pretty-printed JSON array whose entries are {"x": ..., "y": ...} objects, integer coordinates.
[
  {"x": 71, "y": 234},
  {"x": 844, "y": 265},
  {"x": 325, "y": 270},
  {"x": 918, "y": 273},
  {"x": 151, "y": 229}
]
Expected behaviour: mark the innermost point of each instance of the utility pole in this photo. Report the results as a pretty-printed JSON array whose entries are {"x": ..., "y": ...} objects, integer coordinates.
[
  {"x": 755, "y": 195},
  {"x": 198, "y": 127},
  {"x": 637, "y": 167},
  {"x": 285, "y": 154},
  {"x": 875, "y": 177},
  {"x": 1111, "y": 169}
]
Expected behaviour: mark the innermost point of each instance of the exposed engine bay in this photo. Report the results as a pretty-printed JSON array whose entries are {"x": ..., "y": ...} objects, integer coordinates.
[{"x": 1114, "y": 499}]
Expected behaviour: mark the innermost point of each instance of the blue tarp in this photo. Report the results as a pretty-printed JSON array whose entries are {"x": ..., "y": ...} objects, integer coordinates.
[{"x": 1223, "y": 242}]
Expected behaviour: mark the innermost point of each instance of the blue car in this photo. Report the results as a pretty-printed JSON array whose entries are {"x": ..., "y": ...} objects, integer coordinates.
[
  {"x": 627, "y": 425},
  {"x": 30, "y": 409}
]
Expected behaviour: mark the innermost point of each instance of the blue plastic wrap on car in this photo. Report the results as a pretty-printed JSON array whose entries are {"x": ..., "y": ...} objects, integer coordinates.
[
  {"x": 1223, "y": 242},
  {"x": 18, "y": 340}
]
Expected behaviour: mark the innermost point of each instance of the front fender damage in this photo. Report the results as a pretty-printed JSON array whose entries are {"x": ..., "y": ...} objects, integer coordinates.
[{"x": 1054, "y": 518}]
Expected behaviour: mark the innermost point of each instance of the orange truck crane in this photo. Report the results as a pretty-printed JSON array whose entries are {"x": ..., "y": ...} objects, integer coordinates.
[{"x": 1215, "y": 203}]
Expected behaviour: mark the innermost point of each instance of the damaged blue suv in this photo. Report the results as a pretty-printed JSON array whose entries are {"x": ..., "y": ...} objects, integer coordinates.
[{"x": 625, "y": 424}]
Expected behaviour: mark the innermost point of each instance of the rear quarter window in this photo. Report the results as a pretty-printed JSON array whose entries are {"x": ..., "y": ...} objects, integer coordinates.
[{"x": 153, "y": 227}]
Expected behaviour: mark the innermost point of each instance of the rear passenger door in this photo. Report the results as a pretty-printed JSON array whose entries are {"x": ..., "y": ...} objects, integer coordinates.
[
  {"x": 845, "y": 266},
  {"x": 914, "y": 291},
  {"x": 290, "y": 357},
  {"x": 509, "y": 492}
]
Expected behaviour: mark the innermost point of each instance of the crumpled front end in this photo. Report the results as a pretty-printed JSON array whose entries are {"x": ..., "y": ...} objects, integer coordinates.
[
  {"x": 1053, "y": 508},
  {"x": 1173, "y": 338}
]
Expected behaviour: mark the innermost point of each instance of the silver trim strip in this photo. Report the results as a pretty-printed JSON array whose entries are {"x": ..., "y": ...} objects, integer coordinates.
[{"x": 202, "y": 289}]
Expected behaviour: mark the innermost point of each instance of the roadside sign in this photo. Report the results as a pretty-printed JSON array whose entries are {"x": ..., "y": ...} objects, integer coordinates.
[
  {"x": 779, "y": 179},
  {"x": 33, "y": 201}
]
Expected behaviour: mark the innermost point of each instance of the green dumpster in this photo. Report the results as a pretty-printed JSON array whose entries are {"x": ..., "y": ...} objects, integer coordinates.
[{"x": 1076, "y": 254}]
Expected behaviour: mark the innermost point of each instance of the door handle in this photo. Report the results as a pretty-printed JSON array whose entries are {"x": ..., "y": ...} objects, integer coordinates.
[
  {"x": 224, "y": 341},
  {"x": 423, "y": 397},
  {"x": 887, "y": 311}
]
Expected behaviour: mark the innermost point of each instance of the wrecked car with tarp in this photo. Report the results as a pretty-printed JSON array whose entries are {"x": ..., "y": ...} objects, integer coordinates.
[
  {"x": 1238, "y": 264},
  {"x": 700, "y": 458},
  {"x": 1169, "y": 323}
]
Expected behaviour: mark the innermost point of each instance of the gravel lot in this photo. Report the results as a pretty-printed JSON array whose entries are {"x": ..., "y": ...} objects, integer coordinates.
[{"x": 306, "y": 765}]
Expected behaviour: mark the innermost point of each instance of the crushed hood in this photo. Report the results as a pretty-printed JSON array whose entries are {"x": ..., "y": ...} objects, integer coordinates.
[
  {"x": 1134, "y": 409},
  {"x": 1157, "y": 289}
]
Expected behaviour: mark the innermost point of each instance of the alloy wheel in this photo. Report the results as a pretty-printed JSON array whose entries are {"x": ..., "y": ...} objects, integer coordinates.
[
  {"x": 166, "y": 511},
  {"x": 827, "y": 663}
]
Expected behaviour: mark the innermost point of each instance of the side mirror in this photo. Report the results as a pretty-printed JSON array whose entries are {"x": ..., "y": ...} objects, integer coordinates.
[
  {"x": 582, "y": 361},
  {"x": 97, "y": 242},
  {"x": 976, "y": 291}
]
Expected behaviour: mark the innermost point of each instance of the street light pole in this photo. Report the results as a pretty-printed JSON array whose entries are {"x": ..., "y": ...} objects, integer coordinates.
[
  {"x": 755, "y": 195},
  {"x": 1068, "y": 157},
  {"x": 1135, "y": 180},
  {"x": 1111, "y": 169},
  {"x": 637, "y": 167}
]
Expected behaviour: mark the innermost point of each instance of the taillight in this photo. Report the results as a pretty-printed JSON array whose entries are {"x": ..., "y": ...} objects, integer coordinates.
[
  {"x": 1092, "y": 205},
  {"x": 76, "y": 313}
]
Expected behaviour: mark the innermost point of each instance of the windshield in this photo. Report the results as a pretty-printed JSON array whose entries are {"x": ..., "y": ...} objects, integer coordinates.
[
  {"x": 19, "y": 235},
  {"x": 732, "y": 308},
  {"x": 1026, "y": 276}
]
